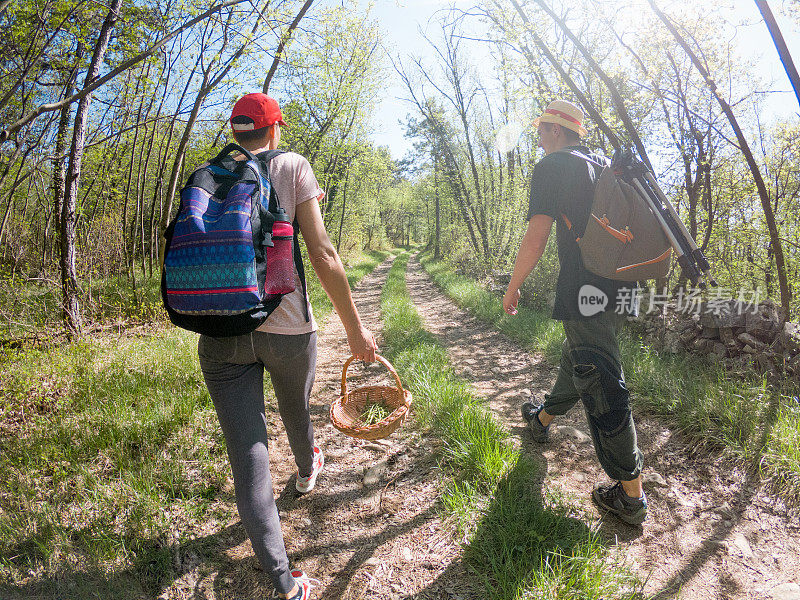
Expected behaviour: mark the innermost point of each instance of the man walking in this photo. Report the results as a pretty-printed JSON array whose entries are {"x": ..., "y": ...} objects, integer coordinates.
[{"x": 562, "y": 188}]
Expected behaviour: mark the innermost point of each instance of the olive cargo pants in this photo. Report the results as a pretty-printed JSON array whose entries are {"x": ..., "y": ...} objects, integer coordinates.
[{"x": 591, "y": 371}]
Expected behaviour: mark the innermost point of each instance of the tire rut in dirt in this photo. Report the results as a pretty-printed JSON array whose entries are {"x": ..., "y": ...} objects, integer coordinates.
[{"x": 362, "y": 541}]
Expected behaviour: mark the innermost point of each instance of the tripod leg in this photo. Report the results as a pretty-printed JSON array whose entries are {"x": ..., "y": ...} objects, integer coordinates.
[
  {"x": 697, "y": 255},
  {"x": 683, "y": 250}
]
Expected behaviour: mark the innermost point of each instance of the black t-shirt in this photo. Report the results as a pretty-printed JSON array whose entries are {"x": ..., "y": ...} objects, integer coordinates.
[{"x": 562, "y": 186}]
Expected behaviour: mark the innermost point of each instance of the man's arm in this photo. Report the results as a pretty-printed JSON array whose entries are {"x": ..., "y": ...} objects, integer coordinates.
[
  {"x": 330, "y": 270},
  {"x": 530, "y": 251}
]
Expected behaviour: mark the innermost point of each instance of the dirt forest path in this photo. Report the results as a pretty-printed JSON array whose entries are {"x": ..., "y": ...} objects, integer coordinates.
[{"x": 712, "y": 532}]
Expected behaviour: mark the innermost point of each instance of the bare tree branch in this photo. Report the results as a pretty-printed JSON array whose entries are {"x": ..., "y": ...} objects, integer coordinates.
[
  {"x": 31, "y": 63},
  {"x": 616, "y": 98},
  {"x": 763, "y": 193},
  {"x": 588, "y": 106},
  {"x": 284, "y": 40}
]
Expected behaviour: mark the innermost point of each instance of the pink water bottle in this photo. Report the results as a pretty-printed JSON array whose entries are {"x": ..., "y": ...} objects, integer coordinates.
[{"x": 280, "y": 262}]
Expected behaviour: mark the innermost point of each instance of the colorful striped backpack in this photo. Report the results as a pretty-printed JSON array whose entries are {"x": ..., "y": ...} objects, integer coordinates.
[{"x": 230, "y": 253}]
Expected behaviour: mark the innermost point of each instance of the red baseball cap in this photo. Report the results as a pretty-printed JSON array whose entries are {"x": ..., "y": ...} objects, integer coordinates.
[{"x": 262, "y": 109}]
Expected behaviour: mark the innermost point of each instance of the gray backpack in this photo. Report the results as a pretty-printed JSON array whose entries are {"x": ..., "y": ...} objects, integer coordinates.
[{"x": 623, "y": 239}]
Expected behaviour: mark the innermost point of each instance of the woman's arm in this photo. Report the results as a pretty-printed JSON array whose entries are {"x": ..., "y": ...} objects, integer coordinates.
[{"x": 330, "y": 270}]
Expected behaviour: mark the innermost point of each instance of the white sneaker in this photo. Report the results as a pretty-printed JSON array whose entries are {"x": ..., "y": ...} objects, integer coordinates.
[
  {"x": 304, "y": 585},
  {"x": 306, "y": 484},
  {"x": 304, "y": 582}
]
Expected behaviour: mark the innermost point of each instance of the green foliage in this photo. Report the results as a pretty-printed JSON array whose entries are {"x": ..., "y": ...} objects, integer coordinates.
[
  {"x": 327, "y": 79},
  {"x": 32, "y": 309},
  {"x": 482, "y": 192},
  {"x": 520, "y": 542},
  {"x": 328, "y": 87},
  {"x": 106, "y": 449},
  {"x": 330, "y": 80},
  {"x": 751, "y": 419}
]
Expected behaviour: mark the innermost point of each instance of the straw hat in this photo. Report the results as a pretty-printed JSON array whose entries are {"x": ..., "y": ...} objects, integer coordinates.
[{"x": 565, "y": 114}]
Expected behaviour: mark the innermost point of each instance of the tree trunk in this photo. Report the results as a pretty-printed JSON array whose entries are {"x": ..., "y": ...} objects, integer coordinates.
[
  {"x": 776, "y": 247},
  {"x": 69, "y": 276},
  {"x": 130, "y": 247},
  {"x": 59, "y": 163},
  {"x": 436, "y": 196}
]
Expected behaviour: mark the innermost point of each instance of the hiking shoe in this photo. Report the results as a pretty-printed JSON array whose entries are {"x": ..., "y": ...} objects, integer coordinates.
[
  {"x": 614, "y": 499},
  {"x": 304, "y": 582},
  {"x": 530, "y": 412},
  {"x": 306, "y": 484}
]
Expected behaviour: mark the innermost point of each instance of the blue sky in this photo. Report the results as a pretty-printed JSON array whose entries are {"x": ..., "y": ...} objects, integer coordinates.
[{"x": 400, "y": 21}]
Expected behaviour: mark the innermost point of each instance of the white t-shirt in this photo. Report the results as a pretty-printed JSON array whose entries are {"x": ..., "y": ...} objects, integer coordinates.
[{"x": 295, "y": 183}]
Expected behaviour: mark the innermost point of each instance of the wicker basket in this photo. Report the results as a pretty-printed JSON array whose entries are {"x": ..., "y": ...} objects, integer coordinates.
[{"x": 346, "y": 410}]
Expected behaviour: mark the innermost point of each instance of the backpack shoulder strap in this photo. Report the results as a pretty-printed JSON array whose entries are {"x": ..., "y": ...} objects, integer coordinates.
[
  {"x": 588, "y": 159},
  {"x": 298, "y": 263},
  {"x": 263, "y": 162},
  {"x": 268, "y": 155},
  {"x": 591, "y": 164}
]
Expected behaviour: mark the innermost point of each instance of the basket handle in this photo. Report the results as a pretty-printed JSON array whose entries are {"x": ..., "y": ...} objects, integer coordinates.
[{"x": 381, "y": 360}]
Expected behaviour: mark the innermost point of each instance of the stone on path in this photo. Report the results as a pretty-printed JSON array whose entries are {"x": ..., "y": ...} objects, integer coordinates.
[
  {"x": 374, "y": 473},
  {"x": 654, "y": 478},
  {"x": 786, "y": 591},
  {"x": 378, "y": 447},
  {"x": 743, "y": 545},
  {"x": 575, "y": 433}
]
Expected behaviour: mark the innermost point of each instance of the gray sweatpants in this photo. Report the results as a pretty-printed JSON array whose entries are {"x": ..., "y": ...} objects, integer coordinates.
[{"x": 233, "y": 368}]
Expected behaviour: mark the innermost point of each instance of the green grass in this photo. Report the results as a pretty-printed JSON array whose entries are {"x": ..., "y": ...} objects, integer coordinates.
[
  {"x": 106, "y": 446},
  {"x": 748, "y": 418},
  {"x": 111, "y": 455},
  {"x": 32, "y": 308},
  {"x": 521, "y": 542}
]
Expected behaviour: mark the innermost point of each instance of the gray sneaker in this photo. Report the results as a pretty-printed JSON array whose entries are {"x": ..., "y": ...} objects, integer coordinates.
[
  {"x": 530, "y": 412},
  {"x": 612, "y": 498}
]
